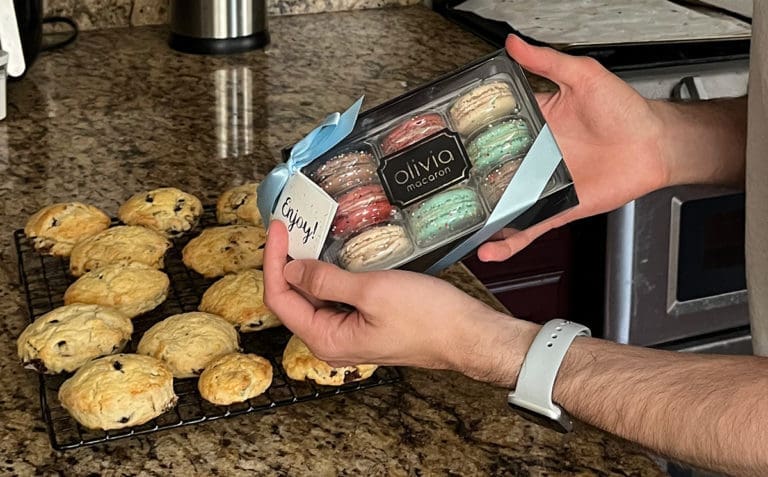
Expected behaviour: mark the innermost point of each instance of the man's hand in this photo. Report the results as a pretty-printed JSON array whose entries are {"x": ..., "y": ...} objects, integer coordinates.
[
  {"x": 620, "y": 146},
  {"x": 400, "y": 318},
  {"x": 609, "y": 136}
]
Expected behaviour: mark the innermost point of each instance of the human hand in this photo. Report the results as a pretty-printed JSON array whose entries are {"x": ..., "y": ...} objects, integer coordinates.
[
  {"x": 400, "y": 318},
  {"x": 609, "y": 136}
]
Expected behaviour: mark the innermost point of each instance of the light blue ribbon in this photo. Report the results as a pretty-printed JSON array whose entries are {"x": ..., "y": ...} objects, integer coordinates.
[
  {"x": 320, "y": 140},
  {"x": 523, "y": 191}
]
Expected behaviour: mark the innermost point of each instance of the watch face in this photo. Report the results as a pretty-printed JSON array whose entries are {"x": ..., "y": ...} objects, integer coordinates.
[{"x": 543, "y": 421}]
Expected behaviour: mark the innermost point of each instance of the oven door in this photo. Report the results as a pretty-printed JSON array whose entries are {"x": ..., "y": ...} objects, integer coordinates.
[{"x": 675, "y": 266}]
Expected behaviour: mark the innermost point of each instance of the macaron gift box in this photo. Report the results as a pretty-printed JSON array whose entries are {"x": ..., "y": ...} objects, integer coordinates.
[{"x": 424, "y": 179}]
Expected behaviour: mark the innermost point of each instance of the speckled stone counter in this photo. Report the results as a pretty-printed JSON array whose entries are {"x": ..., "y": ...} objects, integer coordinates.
[{"x": 119, "y": 112}]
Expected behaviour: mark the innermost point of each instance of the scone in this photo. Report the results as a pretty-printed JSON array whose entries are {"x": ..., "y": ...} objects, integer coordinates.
[
  {"x": 55, "y": 229},
  {"x": 118, "y": 391},
  {"x": 221, "y": 250},
  {"x": 300, "y": 364},
  {"x": 234, "y": 378},
  {"x": 187, "y": 342},
  {"x": 239, "y": 298},
  {"x": 133, "y": 288},
  {"x": 238, "y": 206},
  {"x": 167, "y": 210},
  {"x": 121, "y": 244},
  {"x": 69, "y": 336}
]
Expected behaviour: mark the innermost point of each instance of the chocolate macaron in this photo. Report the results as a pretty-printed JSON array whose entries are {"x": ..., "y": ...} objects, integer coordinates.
[
  {"x": 496, "y": 182},
  {"x": 411, "y": 131},
  {"x": 345, "y": 171}
]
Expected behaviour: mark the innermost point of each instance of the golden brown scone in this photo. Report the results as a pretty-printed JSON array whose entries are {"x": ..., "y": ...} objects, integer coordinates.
[
  {"x": 239, "y": 298},
  {"x": 118, "y": 391},
  {"x": 301, "y": 364},
  {"x": 188, "y": 342},
  {"x": 69, "y": 336},
  {"x": 234, "y": 378},
  {"x": 55, "y": 229},
  {"x": 167, "y": 210},
  {"x": 238, "y": 206},
  {"x": 221, "y": 250},
  {"x": 121, "y": 244},
  {"x": 133, "y": 288}
]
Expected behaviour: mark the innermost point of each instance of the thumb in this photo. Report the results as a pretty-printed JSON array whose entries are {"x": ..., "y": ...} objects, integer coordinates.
[
  {"x": 551, "y": 64},
  {"x": 325, "y": 281}
]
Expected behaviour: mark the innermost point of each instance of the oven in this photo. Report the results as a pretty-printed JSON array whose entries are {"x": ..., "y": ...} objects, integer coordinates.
[{"x": 675, "y": 266}]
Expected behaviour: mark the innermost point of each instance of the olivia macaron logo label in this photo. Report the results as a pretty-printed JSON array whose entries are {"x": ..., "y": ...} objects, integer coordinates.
[
  {"x": 425, "y": 168},
  {"x": 307, "y": 211}
]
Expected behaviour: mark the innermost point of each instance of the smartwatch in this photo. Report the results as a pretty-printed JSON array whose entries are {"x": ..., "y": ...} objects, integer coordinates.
[{"x": 532, "y": 396}]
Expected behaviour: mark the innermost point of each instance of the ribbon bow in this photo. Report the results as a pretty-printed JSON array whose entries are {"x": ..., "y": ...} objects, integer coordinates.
[{"x": 320, "y": 140}]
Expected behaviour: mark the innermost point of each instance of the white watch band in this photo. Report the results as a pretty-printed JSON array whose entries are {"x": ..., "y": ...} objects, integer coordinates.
[{"x": 540, "y": 367}]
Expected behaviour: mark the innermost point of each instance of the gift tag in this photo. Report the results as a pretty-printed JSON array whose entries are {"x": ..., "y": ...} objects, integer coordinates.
[{"x": 307, "y": 211}]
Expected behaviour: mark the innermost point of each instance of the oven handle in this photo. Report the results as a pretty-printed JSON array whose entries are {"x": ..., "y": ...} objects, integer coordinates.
[{"x": 690, "y": 88}]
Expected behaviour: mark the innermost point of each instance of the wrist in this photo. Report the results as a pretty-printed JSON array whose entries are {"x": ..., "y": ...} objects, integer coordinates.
[
  {"x": 665, "y": 115},
  {"x": 702, "y": 142},
  {"x": 497, "y": 349}
]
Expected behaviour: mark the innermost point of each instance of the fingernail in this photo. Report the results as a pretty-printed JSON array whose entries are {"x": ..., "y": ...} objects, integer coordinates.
[{"x": 294, "y": 271}]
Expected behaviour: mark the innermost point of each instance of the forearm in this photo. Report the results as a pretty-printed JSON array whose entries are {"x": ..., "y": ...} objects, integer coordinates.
[
  {"x": 703, "y": 409},
  {"x": 707, "y": 410},
  {"x": 704, "y": 142}
]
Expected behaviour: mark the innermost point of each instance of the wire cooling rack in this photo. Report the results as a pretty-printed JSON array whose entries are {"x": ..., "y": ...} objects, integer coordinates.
[{"x": 46, "y": 278}]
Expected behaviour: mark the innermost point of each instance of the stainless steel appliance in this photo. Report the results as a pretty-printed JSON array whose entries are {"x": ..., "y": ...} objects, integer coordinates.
[
  {"x": 21, "y": 33},
  {"x": 218, "y": 26},
  {"x": 675, "y": 258}
]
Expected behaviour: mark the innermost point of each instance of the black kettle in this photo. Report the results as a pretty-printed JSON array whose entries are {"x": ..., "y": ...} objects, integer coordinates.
[{"x": 22, "y": 41}]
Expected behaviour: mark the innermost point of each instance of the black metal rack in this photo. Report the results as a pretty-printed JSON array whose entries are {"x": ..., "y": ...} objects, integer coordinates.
[{"x": 45, "y": 279}]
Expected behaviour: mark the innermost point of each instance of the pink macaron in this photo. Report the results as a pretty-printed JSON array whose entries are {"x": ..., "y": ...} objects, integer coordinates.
[
  {"x": 412, "y": 130},
  {"x": 361, "y": 208}
]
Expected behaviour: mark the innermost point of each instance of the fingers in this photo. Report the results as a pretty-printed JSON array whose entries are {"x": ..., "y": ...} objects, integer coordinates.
[
  {"x": 325, "y": 281},
  {"x": 558, "y": 67},
  {"x": 511, "y": 242},
  {"x": 503, "y": 233},
  {"x": 500, "y": 250},
  {"x": 293, "y": 309}
]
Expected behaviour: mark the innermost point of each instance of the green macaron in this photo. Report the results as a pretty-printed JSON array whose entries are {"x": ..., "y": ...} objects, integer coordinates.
[
  {"x": 492, "y": 146},
  {"x": 445, "y": 215}
]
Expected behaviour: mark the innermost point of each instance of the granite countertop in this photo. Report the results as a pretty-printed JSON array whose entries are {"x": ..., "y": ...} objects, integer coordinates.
[{"x": 119, "y": 112}]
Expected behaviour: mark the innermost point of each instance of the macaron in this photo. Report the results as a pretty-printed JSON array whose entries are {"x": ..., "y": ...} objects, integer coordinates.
[
  {"x": 481, "y": 105},
  {"x": 412, "y": 130},
  {"x": 445, "y": 215},
  {"x": 345, "y": 171},
  {"x": 492, "y": 146},
  {"x": 377, "y": 248},
  {"x": 496, "y": 182},
  {"x": 361, "y": 208}
]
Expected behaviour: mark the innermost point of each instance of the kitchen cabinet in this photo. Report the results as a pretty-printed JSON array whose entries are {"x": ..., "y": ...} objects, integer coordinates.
[
  {"x": 532, "y": 284},
  {"x": 559, "y": 275}
]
